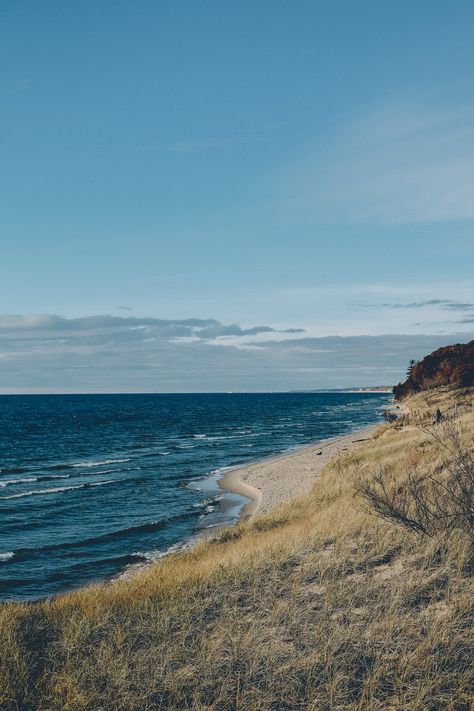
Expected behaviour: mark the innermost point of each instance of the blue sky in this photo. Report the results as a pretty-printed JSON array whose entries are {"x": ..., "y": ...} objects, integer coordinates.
[{"x": 258, "y": 165}]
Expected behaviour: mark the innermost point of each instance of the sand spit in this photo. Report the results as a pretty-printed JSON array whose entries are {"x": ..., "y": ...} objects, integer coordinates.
[{"x": 271, "y": 482}]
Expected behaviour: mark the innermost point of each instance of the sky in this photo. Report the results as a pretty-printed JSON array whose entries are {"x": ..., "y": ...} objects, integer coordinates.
[{"x": 208, "y": 196}]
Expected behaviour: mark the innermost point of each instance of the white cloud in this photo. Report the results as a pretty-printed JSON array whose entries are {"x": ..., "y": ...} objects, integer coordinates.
[{"x": 50, "y": 353}]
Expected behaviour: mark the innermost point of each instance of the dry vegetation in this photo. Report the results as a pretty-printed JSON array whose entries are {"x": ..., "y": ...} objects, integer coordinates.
[{"x": 320, "y": 605}]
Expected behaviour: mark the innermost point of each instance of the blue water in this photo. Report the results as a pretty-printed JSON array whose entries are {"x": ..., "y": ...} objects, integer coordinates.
[{"x": 90, "y": 484}]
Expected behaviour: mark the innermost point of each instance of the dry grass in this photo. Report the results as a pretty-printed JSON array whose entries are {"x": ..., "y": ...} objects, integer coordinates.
[{"x": 319, "y": 605}]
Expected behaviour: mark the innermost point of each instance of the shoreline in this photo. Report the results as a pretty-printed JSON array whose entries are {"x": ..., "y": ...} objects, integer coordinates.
[{"x": 267, "y": 483}]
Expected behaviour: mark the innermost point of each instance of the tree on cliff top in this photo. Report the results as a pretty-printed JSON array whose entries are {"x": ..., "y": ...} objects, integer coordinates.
[{"x": 451, "y": 365}]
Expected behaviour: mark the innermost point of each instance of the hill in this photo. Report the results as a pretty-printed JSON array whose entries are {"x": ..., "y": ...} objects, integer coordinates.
[
  {"x": 451, "y": 365},
  {"x": 320, "y": 604}
]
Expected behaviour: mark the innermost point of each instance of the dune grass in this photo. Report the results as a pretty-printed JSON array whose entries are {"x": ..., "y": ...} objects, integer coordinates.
[{"x": 318, "y": 605}]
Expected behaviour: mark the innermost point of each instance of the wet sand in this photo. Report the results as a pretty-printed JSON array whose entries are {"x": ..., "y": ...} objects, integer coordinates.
[{"x": 270, "y": 482}]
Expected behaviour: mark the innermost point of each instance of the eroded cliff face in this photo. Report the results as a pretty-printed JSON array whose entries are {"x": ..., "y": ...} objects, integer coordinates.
[{"x": 451, "y": 365}]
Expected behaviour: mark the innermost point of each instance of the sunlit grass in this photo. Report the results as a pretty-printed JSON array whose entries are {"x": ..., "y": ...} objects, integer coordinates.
[{"x": 317, "y": 605}]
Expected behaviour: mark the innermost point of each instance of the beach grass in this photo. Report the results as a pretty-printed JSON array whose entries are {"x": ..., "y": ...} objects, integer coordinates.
[{"x": 319, "y": 604}]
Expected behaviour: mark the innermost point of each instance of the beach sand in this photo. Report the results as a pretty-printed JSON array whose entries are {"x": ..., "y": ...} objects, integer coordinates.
[
  {"x": 270, "y": 482},
  {"x": 273, "y": 481}
]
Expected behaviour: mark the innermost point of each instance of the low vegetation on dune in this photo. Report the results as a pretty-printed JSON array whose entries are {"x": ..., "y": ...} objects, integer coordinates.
[{"x": 326, "y": 603}]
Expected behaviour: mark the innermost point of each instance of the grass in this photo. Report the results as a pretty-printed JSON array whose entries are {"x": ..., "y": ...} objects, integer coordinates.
[{"x": 318, "y": 605}]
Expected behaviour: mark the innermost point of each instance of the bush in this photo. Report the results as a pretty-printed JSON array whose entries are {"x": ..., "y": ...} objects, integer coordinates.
[{"x": 429, "y": 504}]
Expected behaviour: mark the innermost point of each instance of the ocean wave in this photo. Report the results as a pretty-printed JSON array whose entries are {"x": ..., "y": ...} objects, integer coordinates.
[
  {"x": 6, "y": 556},
  {"x": 29, "y": 479},
  {"x": 55, "y": 490},
  {"x": 209, "y": 501},
  {"x": 221, "y": 470},
  {"x": 3, "y": 484},
  {"x": 13, "y": 470},
  {"x": 148, "y": 527},
  {"x": 53, "y": 477},
  {"x": 152, "y": 556},
  {"x": 100, "y": 463},
  {"x": 216, "y": 438},
  {"x": 61, "y": 466}
]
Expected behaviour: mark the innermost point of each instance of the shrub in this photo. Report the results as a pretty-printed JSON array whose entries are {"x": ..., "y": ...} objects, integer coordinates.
[{"x": 429, "y": 503}]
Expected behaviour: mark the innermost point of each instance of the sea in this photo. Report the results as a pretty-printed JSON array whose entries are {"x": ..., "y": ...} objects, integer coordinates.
[{"x": 91, "y": 485}]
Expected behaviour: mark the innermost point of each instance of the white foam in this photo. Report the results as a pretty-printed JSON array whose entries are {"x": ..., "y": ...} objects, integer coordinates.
[
  {"x": 152, "y": 556},
  {"x": 29, "y": 479},
  {"x": 3, "y": 484},
  {"x": 106, "y": 471},
  {"x": 101, "y": 463},
  {"x": 38, "y": 492},
  {"x": 221, "y": 470},
  {"x": 215, "y": 438},
  {"x": 149, "y": 555},
  {"x": 55, "y": 490},
  {"x": 6, "y": 556}
]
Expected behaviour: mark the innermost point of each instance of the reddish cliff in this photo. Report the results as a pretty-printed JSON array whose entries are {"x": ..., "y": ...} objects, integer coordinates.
[{"x": 451, "y": 365}]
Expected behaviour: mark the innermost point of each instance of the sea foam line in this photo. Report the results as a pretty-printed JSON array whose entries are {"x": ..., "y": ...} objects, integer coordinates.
[
  {"x": 3, "y": 484},
  {"x": 6, "y": 556},
  {"x": 29, "y": 479},
  {"x": 55, "y": 490},
  {"x": 102, "y": 463}
]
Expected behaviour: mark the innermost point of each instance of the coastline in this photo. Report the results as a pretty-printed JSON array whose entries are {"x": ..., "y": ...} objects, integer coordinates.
[{"x": 267, "y": 483}]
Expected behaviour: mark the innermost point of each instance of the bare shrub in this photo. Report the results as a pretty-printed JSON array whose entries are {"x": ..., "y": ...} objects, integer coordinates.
[
  {"x": 429, "y": 503},
  {"x": 390, "y": 416}
]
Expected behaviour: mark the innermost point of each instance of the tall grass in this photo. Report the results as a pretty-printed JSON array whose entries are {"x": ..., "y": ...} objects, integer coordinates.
[{"x": 318, "y": 605}]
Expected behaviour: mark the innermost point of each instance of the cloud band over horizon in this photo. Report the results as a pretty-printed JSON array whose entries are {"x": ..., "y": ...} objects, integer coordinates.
[{"x": 101, "y": 353}]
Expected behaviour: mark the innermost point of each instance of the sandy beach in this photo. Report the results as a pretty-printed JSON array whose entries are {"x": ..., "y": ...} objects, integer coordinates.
[{"x": 270, "y": 482}]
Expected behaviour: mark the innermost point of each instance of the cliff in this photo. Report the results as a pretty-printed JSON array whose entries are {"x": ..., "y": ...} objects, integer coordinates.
[{"x": 451, "y": 365}]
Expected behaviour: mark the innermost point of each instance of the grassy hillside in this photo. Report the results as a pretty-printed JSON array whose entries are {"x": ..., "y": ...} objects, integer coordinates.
[{"x": 319, "y": 605}]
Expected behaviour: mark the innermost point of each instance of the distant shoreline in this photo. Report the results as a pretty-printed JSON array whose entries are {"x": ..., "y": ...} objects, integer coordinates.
[{"x": 382, "y": 390}]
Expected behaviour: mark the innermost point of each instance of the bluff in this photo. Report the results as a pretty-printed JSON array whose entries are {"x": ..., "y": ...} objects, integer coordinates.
[{"x": 450, "y": 365}]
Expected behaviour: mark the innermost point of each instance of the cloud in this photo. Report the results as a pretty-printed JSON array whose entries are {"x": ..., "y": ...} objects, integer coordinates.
[
  {"x": 446, "y": 304},
  {"x": 118, "y": 329},
  {"x": 458, "y": 306},
  {"x": 219, "y": 330},
  {"x": 404, "y": 162},
  {"x": 100, "y": 353}
]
